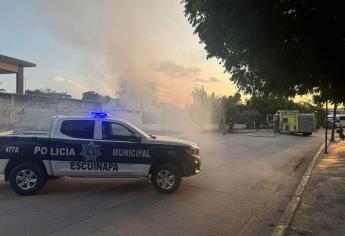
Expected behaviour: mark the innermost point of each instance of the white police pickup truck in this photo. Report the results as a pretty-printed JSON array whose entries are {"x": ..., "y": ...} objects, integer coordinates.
[{"x": 95, "y": 146}]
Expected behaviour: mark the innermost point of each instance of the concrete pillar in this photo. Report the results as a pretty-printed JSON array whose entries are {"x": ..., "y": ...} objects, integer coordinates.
[{"x": 20, "y": 80}]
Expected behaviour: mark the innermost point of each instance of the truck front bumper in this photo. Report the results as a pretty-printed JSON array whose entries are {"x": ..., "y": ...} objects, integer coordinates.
[{"x": 194, "y": 166}]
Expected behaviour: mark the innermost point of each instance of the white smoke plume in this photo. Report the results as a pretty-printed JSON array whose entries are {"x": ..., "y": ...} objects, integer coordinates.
[
  {"x": 110, "y": 31},
  {"x": 125, "y": 52}
]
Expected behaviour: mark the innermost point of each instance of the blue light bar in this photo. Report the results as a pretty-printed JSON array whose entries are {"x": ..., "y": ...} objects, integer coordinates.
[{"x": 99, "y": 115}]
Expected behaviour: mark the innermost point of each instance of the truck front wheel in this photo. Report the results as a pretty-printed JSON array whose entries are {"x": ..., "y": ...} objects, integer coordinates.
[
  {"x": 166, "y": 178},
  {"x": 27, "y": 179}
]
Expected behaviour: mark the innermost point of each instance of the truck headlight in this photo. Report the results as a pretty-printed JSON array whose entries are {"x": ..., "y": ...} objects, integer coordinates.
[{"x": 193, "y": 151}]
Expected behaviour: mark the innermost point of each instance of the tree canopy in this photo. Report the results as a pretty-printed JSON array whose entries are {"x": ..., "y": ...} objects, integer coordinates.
[
  {"x": 95, "y": 97},
  {"x": 209, "y": 108},
  {"x": 283, "y": 47},
  {"x": 205, "y": 108},
  {"x": 47, "y": 93}
]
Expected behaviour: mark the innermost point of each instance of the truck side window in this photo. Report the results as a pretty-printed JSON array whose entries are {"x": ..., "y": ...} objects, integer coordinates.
[
  {"x": 78, "y": 128},
  {"x": 114, "y": 131}
]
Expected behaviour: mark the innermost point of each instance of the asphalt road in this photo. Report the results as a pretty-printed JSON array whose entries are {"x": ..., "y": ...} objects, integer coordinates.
[{"x": 244, "y": 187}]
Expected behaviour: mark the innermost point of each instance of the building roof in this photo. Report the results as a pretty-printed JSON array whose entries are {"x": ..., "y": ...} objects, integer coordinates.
[{"x": 16, "y": 61}]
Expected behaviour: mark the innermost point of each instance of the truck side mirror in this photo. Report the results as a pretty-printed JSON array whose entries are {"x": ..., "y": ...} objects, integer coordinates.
[{"x": 134, "y": 138}]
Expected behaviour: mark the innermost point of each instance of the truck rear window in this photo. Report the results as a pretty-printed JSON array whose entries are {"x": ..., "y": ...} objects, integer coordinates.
[{"x": 78, "y": 128}]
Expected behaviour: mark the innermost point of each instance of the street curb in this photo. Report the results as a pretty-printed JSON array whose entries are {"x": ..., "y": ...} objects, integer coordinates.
[
  {"x": 262, "y": 135},
  {"x": 289, "y": 213},
  {"x": 246, "y": 131}
]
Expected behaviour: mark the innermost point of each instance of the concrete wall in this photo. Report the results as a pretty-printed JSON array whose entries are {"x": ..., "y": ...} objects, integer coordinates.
[
  {"x": 28, "y": 112},
  {"x": 33, "y": 113}
]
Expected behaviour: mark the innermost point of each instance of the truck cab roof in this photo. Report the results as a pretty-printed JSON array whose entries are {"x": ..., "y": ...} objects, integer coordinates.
[{"x": 56, "y": 123}]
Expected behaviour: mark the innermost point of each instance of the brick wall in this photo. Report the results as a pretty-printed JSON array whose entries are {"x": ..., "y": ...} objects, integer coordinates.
[{"x": 29, "y": 112}]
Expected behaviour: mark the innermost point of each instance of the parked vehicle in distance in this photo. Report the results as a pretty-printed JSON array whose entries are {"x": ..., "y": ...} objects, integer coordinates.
[
  {"x": 96, "y": 146},
  {"x": 339, "y": 121},
  {"x": 293, "y": 122}
]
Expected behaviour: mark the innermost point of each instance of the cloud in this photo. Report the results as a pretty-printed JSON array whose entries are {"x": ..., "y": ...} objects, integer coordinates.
[
  {"x": 210, "y": 80},
  {"x": 174, "y": 70},
  {"x": 73, "y": 87},
  {"x": 214, "y": 79},
  {"x": 59, "y": 78},
  {"x": 201, "y": 80}
]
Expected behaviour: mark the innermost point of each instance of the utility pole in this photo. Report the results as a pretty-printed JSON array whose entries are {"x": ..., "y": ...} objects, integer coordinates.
[
  {"x": 326, "y": 127},
  {"x": 333, "y": 123}
]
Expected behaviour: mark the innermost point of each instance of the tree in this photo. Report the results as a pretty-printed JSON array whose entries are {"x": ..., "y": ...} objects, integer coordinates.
[
  {"x": 232, "y": 107},
  {"x": 199, "y": 95},
  {"x": 47, "y": 93},
  {"x": 137, "y": 95},
  {"x": 95, "y": 97},
  {"x": 333, "y": 123},
  {"x": 269, "y": 104},
  {"x": 275, "y": 47},
  {"x": 322, "y": 98},
  {"x": 206, "y": 108},
  {"x": 200, "y": 110},
  {"x": 251, "y": 119}
]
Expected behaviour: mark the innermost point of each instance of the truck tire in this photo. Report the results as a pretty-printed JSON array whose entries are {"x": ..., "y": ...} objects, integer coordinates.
[
  {"x": 27, "y": 179},
  {"x": 166, "y": 178}
]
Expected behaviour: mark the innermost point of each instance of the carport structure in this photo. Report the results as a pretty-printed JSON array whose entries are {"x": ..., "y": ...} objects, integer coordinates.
[{"x": 10, "y": 65}]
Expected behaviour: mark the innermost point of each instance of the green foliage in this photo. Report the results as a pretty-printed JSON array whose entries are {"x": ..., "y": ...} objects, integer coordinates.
[
  {"x": 251, "y": 118},
  {"x": 47, "y": 93},
  {"x": 275, "y": 47},
  {"x": 199, "y": 95},
  {"x": 205, "y": 108},
  {"x": 232, "y": 107},
  {"x": 269, "y": 104}
]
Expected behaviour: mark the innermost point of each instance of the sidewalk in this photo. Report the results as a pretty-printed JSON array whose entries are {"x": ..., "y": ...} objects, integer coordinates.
[{"x": 322, "y": 207}]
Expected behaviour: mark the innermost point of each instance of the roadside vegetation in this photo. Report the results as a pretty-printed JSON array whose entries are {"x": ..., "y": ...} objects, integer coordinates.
[
  {"x": 252, "y": 111},
  {"x": 212, "y": 109},
  {"x": 275, "y": 50}
]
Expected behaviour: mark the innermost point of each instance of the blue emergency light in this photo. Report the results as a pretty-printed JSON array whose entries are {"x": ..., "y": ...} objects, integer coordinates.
[{"x": 99, "y": 115}]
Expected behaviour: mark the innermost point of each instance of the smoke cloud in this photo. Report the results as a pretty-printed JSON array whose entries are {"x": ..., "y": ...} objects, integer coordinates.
[
  {"x": 114, "y": 33},
  {"x": 127, "y": 44}
]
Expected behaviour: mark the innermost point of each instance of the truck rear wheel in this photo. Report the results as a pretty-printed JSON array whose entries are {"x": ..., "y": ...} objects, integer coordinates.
[
  {"x": 166, "y": 178},
  {"x": 27, "y": 179}
]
